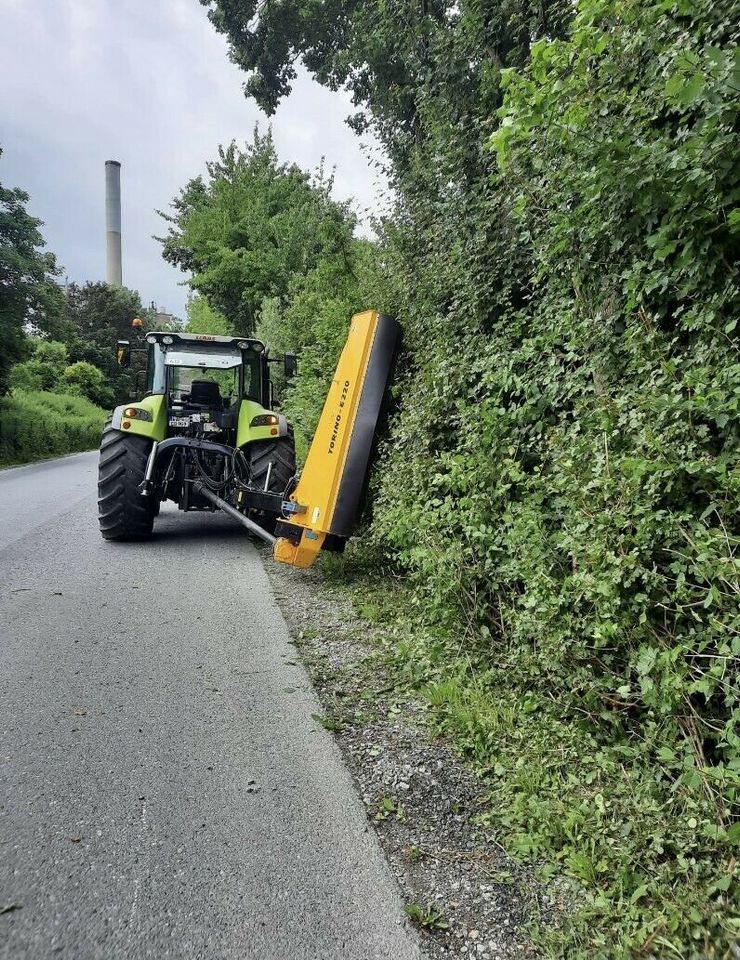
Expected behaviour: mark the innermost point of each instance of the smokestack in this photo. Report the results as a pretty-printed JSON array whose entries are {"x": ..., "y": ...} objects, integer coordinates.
[{"x": 113, "y": 223}]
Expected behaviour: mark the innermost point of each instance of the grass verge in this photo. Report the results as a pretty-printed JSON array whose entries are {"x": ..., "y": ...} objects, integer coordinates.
[
  {"x": 651, "y": 864},
  {"x": 35, "y": 425}
]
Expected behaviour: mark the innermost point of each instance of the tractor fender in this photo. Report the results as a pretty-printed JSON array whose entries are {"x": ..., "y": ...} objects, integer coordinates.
[
  {"x": 152, "y": 422},
  {"x": 246, "y": 433}
]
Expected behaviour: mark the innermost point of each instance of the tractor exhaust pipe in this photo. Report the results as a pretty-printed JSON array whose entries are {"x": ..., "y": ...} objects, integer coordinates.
[{"x": 202, "y": 490}]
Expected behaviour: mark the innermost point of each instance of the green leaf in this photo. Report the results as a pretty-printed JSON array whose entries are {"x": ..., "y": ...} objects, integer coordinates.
[
  {"x": 639, "y": 893},
  {"x": 733, "y": 833}
]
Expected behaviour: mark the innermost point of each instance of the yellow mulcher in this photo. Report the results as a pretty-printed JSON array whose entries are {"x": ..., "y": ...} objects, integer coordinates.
[{"x": 328, "y": 493}]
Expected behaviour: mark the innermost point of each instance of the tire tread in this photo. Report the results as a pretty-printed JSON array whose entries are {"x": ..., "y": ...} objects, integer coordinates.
[{"x": 123, "y": 514}]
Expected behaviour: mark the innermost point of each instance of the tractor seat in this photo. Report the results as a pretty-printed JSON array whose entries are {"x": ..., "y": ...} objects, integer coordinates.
[{"x": 205, "y": 393}]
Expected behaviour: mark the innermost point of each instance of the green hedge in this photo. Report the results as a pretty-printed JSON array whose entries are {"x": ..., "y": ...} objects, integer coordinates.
[
  {"x": 36, "y": 424},
  {"x": 562, "y": 487}
]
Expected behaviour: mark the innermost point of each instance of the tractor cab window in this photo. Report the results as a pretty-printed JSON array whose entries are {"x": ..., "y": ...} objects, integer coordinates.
[
  {"x": 200, "y": 375},
  {"x": 212, "y": 386},
  {"x": 252, "y": 375},
  {"x": 155, "y": 371},
  {"x": 237, "y": 373}
]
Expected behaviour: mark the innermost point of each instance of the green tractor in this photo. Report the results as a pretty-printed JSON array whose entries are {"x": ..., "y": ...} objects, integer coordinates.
[{"x": 204, "y": 435}]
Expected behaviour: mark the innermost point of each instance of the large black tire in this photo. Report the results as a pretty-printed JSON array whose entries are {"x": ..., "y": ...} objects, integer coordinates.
[
  {"x": 279, "y": 452},
  {"x": 123, "y": 513}
]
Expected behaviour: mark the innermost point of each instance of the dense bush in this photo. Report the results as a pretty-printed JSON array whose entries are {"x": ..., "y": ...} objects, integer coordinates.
[
  {"x": 563, "y": 479},
  {"x": 35, "y": 425},
  {"x": 44, "y": 369},
  {"x": 86, "y": 380},
  {"x": 48, "y": 370}
]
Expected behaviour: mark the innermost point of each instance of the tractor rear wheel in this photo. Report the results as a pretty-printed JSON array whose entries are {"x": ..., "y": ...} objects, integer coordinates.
[
  {"x": 279, "y": 452},
  {"x": 123, "y": 513}
]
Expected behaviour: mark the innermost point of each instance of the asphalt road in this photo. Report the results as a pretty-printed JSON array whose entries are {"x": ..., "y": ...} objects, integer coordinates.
[{"x": 164, "y": 790}]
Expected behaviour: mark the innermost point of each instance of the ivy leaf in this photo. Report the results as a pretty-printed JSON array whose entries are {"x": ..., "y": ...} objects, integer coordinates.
[{"x": 733, "y": 833}]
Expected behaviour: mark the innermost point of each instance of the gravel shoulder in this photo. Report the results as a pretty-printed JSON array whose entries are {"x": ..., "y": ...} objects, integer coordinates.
[{"x": 468, "y": 898}]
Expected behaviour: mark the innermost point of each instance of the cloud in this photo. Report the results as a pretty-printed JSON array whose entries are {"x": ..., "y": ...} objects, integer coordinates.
[{"x": 151, "y": 85}]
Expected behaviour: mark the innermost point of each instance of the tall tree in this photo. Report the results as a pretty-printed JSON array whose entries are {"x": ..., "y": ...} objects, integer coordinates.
[
  {"x": 95, "y": 316},
  {"x": 250, "y": 226},
  {"x": 28, "y": 293},
  {"x": 100, "y": 314},
  {"x": 409, "y": 65}
]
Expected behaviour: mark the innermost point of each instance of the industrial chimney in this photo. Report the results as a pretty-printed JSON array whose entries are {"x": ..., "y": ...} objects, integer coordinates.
[{"x": 113, "y": 223}]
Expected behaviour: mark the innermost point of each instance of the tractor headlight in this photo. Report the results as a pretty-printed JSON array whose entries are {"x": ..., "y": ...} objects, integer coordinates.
[
  {"x": 137, "y": 413},
  {"x": 243, "y": 345},
  {"x": 167, "y": 340},
  {"x": 151, "y": 339},
  {"x": 265, "y": 420}
]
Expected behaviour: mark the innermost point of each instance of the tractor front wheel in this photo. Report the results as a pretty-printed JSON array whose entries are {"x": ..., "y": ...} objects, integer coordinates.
[{"x": 123, "y": 513}]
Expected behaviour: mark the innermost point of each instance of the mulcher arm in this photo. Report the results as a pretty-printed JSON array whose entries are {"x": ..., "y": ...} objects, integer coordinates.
[{"x": 327, "y": 498}]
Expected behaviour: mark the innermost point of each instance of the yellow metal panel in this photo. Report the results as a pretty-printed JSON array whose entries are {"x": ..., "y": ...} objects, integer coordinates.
[
  {"x": 302, "y": 555},
  {"x": 319, "y": 483}
]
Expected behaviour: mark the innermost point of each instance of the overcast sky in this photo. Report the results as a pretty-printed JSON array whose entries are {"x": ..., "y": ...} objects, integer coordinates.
[{"x": 149, "y": 83}]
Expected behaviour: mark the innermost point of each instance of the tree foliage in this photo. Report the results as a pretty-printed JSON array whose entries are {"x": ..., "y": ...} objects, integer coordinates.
[
  {"x": 250, "y": 226},
  {"x": 201, "y": 318},
  {"x": 28, "y": 293},
  {"x": 410, "y": 66},
  {"x": 95, "y": 317},
  {"x": 314, "y": 323}
]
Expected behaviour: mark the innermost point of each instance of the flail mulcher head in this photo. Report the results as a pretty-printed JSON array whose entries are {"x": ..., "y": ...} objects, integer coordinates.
[{"x": 323, "y": 507}]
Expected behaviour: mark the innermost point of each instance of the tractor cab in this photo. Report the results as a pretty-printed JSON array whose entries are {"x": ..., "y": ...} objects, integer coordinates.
[{"x": 205, "y": 380}]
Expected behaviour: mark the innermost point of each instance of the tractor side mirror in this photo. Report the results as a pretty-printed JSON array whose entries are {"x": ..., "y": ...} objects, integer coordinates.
[
  {"x": 290, "y": 365},
  {"x": 123, "y": 353}
]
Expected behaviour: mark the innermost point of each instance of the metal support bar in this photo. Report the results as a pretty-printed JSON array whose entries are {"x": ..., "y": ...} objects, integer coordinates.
[
  {"x": 203, "y": 491},
  {"x": 259, "y": 500},
  {"x": 146, "y": 486},
  {"x": 269, "y": 502}
]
